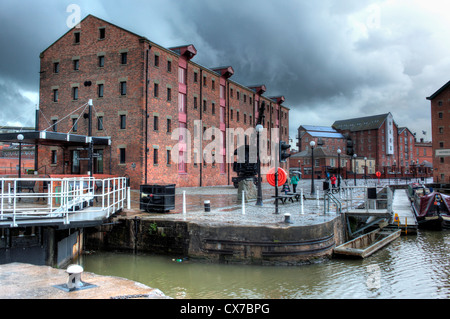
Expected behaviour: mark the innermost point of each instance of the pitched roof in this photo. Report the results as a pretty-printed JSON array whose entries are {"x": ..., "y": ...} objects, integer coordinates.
[
  {"x": 319, "y": 131},
  {"x": 361, "y": 123},
  {"x": 92, "y": 16},
  {"x": 402, "y": 129},
  {"x": 190, "y": 50},
  {"x": 318, "y": 128},
  {"x": 433, "y": 96}
]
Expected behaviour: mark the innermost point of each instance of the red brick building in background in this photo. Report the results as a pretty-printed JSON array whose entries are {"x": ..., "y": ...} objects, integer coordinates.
[
  {"x": 424, "y": 154},
  {"x": 323, "y": 136},
  {"x": 142, "y": 92},
  {"x": 379, "y": 144},
  {"x": 406, "y": 142},
  {"x": 440, "y": 130},
  {"x": 374, "y": 137}
]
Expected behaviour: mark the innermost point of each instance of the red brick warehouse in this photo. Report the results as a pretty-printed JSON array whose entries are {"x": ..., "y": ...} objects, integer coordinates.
[
  {"x": 440, "y": 127},
  {"x": 142, "y": 92}
]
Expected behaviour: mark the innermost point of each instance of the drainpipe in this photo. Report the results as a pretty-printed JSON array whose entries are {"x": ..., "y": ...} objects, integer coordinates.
[
  {"x": 187, "y": 113},
  {"x": 91, "y": 145},
  {"x": 146, "y": 114},
  {"x": 36, "y": 147},
  {"x": 201, "y": 128},
  {"x": 227, "y": 125}
]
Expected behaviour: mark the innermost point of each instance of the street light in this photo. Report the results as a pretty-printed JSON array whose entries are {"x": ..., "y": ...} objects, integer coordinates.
[
  {"x": 312, "y": 144},
  {"x": 416, "y": 171},
  {"x": 259, "y": 128},
  {"x": 339, "y": 168},
  {"x": 20, "y": 138},
  {"x": 395, "y": 170},
  {"x": 91, "y": 145},
  {"x": 365, "y": 170},
  {"x": 354, "y": 167}
]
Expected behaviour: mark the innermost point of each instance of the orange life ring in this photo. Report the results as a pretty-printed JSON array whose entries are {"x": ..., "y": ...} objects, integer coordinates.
[{"x": 282, "y": 176}]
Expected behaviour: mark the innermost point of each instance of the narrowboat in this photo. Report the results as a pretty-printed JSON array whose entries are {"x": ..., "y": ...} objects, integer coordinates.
[{"x": 432, "y": 209}]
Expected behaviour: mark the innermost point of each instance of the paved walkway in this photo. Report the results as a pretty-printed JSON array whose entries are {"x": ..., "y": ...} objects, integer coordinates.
[
  {"x": 227, "y": 209},
  {"x": 401, "y": 206},
  {"x": 25, "y": 281}
]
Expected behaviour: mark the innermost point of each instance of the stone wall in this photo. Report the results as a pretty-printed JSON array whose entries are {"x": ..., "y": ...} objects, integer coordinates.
[{"x": 226, "y": 243}]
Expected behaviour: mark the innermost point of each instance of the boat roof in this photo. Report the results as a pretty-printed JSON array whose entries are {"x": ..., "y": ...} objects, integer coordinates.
[{"x": 427, "y": 201}]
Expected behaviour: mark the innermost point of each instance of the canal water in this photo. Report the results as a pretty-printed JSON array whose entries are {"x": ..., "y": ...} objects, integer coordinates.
[{"x": 410, "y": 267}]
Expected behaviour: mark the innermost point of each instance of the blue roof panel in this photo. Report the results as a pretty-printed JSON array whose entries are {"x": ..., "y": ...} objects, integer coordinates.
[
  {"x": 319, "y": 128},
  {"x": 326, "y": 134}
]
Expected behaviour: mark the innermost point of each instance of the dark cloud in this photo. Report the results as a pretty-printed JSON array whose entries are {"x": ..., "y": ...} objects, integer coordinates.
[
  {"x": 330, "y": 59},
  {"x": 28, "y": 28},
  {"x": 15, "y": 108}
]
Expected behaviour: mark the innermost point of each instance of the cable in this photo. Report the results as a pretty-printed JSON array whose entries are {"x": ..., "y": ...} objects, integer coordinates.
[{"x": 84, "y": 105}]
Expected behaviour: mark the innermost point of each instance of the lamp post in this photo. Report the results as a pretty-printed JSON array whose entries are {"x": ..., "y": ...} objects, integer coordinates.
[
  {"x": 20, "y": 138},
  {"x": 91, "y": 146},
  {"x": 365, "y": 170},
  {"x": 339, "y": 168},
  {"x": 416, "y": 171},
  {"x": 312, "y": 144},
  {"x": 354, "y": 167},
  {"x": 395, "y": 171},
  {"x": 259, "y": 129}
]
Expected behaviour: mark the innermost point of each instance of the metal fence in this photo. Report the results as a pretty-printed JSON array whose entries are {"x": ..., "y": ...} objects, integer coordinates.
[{"x": 346, "y": 198}]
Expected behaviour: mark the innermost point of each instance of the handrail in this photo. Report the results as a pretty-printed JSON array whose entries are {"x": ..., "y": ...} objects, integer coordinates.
[{"x": 329, "y": 196}]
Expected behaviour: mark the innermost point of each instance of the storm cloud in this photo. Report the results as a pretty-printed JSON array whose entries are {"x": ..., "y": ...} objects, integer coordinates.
[{"x": 331, "y": 60}]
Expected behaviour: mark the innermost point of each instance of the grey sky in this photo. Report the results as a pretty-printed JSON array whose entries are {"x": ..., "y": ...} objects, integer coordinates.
[{"x": 331, "y": 60}]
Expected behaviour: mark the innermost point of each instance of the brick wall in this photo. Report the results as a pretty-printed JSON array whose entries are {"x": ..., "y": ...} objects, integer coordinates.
[
  {"x": 146, "y": 145},
  {"x": 88, "y": 52},
  {"x": 440, "y": 126}
]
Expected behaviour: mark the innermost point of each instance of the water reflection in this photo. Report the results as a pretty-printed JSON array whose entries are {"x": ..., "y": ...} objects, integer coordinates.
[{"x": 410, "y": 267}]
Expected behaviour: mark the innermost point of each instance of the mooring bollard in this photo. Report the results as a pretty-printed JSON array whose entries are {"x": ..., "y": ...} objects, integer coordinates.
[
  {"x": 74, "y": 280},
  {"x": 301, "y": 200},
  {"x": 207, "y": 204},
  {"x": 287, "y": 218},
  {"x": 317, "y": 196},
  {"x": 128, "y": 197}
]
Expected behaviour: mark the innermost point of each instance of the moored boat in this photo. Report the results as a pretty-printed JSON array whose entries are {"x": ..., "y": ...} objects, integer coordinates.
[
  {"x": 367, "y": 244},
  {"x": 432, "y": 209}
]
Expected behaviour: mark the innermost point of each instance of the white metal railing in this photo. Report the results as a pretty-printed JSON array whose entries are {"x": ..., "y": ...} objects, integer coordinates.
[
  {"x": 354, "y": 196},
  {"x": 37, "y": 200}
]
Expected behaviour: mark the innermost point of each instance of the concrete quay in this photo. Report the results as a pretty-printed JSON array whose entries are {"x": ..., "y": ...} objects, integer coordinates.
[
  {"x": 228, "y": 233},
  {"x": 225, "y": 208},
  {"x": 26, "y": 281}
]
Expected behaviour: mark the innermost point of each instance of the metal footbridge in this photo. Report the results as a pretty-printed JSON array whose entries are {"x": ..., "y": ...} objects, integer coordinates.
[{"x": 62, "y": 202}]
